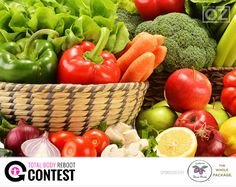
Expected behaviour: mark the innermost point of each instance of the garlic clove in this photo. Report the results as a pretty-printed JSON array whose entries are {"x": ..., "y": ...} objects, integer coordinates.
[
  {"x": 114, "y": 135},
  {"x": 139, "y": 154},
  {"x": 132, "y": 149},
  {"x": 118, "y": 153},
  {"x": 122, "y": 127},
  {"x": 113, "y": 151},
  {"x": 131, "y": 136},
  {"x": 110, "y": 148}
]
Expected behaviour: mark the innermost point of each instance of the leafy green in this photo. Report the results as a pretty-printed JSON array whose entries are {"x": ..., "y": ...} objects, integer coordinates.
[
  {"x": 150, "y": 150},
  {"x": 207, "y": 1},
  {"x": 145, "y": 130},
  {"x": 74, "y": 20},
  {"x": 102, "y": 126},
  {"x": 128, "y": 5}
]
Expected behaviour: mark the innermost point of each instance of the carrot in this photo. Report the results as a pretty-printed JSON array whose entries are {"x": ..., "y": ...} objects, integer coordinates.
[
  {"x": 140, "y": 68},
  {"x": 160, "y": 54},
  {"x": 131, "y": 43},
  {"x": 160, "y": 39},
  {"x": 147, "y": 75},
  {"x": 138, "y": 36},
  {"x": 142, "y": 43}
]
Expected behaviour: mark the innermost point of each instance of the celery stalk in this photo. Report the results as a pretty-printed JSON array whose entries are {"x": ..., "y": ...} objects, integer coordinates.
[
  {"x": 231, "y": 57},
  {"x": 225, "y": 45},
  {"x": 225, "y": 24}
]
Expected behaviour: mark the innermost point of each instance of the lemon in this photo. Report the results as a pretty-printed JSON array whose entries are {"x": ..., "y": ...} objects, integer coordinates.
[
  {"x": 228, "y": 131},
  {"x": 176, "y": 142}
]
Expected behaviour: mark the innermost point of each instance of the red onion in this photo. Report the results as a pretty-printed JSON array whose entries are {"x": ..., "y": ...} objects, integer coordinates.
[
  {"x": 40, "y": 147},
  {"x": 19, "y": 134},
  {"x": 212, "y": 144}
]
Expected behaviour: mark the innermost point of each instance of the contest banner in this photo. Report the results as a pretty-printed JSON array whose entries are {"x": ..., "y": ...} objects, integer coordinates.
[{"x": 118, "y": 172}]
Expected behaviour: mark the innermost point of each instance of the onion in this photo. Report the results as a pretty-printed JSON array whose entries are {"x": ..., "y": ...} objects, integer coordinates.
[
  {"x": 40, "y": 147},
  {"x": 19, "y": 134},
  {"x": 212, "y": 144}
]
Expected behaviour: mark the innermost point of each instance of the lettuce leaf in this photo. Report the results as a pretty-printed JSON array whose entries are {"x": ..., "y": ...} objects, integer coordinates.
[{"x": 74, "y": 20}]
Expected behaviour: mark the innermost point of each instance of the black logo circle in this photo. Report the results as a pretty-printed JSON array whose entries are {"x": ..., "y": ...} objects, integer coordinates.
[{"x": 14, "y": 171}]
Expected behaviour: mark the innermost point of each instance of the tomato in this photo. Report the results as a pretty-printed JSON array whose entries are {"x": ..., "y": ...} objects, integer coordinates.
[
  {"x": 233, "y": 155},
  {"x": 228, "y": 131},
  {"x": 60, "y": 138},
  {"x": 228, "y": 94},
  {"x": 99, "y": 139},
  {"x": 78, "y": 147}
]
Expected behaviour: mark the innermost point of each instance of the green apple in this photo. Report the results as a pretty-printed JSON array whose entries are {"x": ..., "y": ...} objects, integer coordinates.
[
  {"x": 163, "y": 103},
  {"x": 159, "y": 118},
  {"x": 217, "y": 110}
]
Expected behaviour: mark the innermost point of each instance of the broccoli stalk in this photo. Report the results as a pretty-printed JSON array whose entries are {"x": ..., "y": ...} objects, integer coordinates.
[{"x": 226, "y": 49}]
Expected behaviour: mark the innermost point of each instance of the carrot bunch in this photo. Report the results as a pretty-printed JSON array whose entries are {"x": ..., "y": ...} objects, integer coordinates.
[{"x": 141, "y": 56}]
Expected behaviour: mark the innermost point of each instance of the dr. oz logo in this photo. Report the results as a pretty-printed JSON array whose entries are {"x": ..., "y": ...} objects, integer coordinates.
[
  {"x": 199, "y": 171},
  {"x": 14, "y": 171}
]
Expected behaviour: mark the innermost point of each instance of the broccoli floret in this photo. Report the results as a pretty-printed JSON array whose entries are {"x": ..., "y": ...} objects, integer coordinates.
[
  {"x": 131, "y": 20},
  {"x": 188, "y": 41}
]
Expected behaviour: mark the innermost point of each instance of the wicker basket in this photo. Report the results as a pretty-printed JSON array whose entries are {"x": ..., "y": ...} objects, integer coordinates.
[
  {"x": 157, "y": 81},
  {"x": 74, "y": 108}
]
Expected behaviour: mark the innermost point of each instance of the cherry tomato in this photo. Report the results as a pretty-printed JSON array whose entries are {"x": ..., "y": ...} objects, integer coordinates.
[
  {"x": 99, "y": 139},
  {"x": 79, "y": 147},
  {"x": 233, "y": 155},
  {"x": 60, "y": 138}
]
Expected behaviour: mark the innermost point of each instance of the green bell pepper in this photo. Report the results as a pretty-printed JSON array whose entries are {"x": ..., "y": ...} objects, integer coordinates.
[
  {"x": 29, "y": 60},
  {"x": 5, "y": 126}
]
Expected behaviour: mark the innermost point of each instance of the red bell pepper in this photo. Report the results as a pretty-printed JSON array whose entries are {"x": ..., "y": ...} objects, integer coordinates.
[
  {"x": 88, "y": 64},
  {"x": 149, "y": 9},
  {"x": 228, "y": 94}
]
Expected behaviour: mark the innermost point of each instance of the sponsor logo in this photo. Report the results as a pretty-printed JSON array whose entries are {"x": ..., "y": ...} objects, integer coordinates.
[{"x": 199, "y": 171}]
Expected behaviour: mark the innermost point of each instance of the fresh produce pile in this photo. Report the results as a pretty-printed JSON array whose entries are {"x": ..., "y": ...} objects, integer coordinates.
[
  {"x": 115, "y": 41},
  {"x": 212, "y": 126}
]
